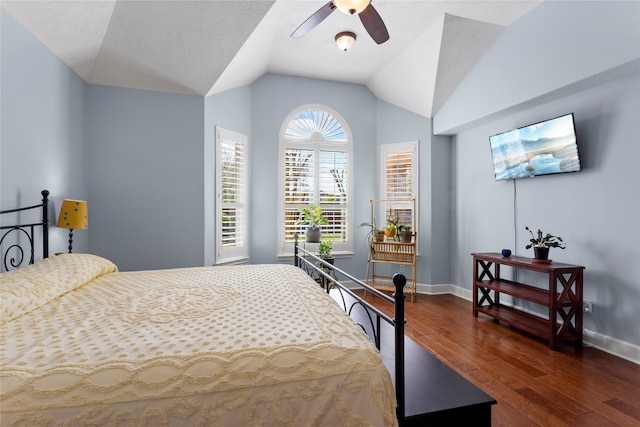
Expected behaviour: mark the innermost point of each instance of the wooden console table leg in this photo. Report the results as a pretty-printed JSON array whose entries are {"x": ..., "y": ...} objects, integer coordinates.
[
  {"x": 571, "y": 290},
  {"x": 553, "y": 309},
  {"x": 580, "y": 314},
  {"x": 496, "y": 276},
  {"x": 475, "y": 288}
]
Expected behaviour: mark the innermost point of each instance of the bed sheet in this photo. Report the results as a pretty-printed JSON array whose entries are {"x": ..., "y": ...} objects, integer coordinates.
[{"x": 217, "y": 346}]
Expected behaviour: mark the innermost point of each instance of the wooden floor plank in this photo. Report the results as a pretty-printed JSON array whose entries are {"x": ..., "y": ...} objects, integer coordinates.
[
  {"x": 534, "y": 386},
  {"x": 626, "y": 407},
  {"x": 595, "y": 419}
]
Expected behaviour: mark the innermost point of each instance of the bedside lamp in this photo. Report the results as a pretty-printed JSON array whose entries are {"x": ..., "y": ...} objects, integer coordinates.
[{"x": 73, "y": 215}]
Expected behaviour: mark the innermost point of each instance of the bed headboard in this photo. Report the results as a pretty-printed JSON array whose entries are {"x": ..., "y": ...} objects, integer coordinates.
[{"x": 17, "y": 241}]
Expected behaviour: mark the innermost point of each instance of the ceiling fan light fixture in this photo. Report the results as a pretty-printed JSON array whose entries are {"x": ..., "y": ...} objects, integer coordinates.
[
  {"x": 351, "y": 7},
  {"x": 345, "y": 40}
]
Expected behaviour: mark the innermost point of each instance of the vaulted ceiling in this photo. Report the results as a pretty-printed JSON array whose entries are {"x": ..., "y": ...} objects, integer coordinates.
[{"x": 206, "y": 47}]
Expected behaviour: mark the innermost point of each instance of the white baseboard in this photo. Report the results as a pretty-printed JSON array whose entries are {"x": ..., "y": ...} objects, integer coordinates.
[{"x": 616, "y": 347}]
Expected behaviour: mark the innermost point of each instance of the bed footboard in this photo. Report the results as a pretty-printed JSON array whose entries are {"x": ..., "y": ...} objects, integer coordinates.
[
  {"x": 328, "y": 275},
  {"x": 17, "y": 241}
]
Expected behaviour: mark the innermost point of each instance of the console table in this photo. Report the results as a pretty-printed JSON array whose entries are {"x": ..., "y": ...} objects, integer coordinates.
[{"x": 563, "y": 297}]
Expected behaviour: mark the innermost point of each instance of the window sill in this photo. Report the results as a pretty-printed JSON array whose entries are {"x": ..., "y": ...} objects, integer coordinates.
[
  {"x": 336, "y": 255},
  {"x": 234, "y": 261}
]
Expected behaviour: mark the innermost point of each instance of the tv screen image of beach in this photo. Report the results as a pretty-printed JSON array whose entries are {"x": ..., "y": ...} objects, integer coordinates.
[{"x": 543, "y": 148}]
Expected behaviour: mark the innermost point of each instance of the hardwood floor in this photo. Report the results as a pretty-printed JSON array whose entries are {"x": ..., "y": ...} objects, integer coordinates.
[{"x": 534, "y": 386}]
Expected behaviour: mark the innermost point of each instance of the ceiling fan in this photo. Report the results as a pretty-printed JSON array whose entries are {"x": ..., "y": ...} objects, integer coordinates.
[{"x": 370, "y": 18}]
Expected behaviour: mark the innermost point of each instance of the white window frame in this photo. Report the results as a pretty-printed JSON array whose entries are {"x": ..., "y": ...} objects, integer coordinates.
[
  {"x": 317, "y": 143},
  {"x": 239, "y": 252},
  {"x": 400, "y": 147}
]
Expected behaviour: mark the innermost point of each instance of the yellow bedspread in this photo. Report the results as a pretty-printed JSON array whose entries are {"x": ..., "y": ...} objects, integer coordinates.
[{"x": 258, "y": 345}]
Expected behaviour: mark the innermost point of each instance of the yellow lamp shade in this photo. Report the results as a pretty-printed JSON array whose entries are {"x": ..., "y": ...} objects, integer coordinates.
[{"x": 73, "y": 214}]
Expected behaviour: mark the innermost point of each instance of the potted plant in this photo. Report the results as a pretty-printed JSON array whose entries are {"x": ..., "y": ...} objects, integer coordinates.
[
  {"x": 312, "y": 216},
  {"x": 392, "y": 228},
  {"x": 373, "y": 234},
  {"x": 542, "y": 242},
  {"x": 325, "y": 251},
  {"x": 405, "y": 233}
]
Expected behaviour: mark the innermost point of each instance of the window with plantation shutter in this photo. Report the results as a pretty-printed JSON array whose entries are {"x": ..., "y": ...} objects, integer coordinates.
[
  {"x": 399, "y": 179},
  {"x": 231, "y": 196},
  {"x": 315, "y": 148}
]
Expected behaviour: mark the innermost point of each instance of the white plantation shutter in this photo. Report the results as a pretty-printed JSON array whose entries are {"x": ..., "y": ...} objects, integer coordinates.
[
  {"x": 333, "y": 169},
  {"x": 231, "y": 196},
  {"x": 316, "y": 158},
  {"x": 399, "y": 173},
  {"x": 299, "y": 186}
]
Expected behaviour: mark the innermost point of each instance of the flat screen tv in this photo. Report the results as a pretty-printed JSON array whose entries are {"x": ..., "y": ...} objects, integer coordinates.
[{"x": 543, "y": 148}]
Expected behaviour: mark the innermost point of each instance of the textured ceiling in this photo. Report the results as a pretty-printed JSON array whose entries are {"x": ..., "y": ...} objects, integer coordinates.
[{"x": 206, "y": 47}]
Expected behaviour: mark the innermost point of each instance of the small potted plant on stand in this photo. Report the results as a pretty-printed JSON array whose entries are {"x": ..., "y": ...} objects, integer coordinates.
[
  {"x": 405, "y": 233},
  {"x": 373, "y": 236},
  {"x": 312, "y": 216},
  {"x": 325, "y": 251},
  {"x": 541, "y": 243},
  {"x": 392, "y": 228}
]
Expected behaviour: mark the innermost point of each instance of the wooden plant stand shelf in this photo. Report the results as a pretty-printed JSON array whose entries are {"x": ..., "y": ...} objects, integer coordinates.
[
  {"x": 394, "y": 252},
  {"x": 409, "y": 290},
  {"x": 563, "y": 297}
]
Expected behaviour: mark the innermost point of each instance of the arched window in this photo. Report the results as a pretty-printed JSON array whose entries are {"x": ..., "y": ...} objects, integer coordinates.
[{"x": 315, "y": 169}]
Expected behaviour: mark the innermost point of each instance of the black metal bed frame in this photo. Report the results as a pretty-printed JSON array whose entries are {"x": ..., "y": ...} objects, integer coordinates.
[
  {"x": 327, "y": 274},
  {"x": 14, "y": 255}
]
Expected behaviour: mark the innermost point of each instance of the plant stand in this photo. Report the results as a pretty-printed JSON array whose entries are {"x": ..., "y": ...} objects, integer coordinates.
[{"x": 390, "y": 251}]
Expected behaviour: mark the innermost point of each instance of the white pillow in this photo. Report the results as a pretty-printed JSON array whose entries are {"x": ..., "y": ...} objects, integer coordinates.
[{"x": 33, "y": 286}]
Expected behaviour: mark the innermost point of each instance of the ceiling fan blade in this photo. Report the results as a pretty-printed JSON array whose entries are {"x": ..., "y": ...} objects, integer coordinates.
[
  {"x": 314, "y": 20},
  {"x": 374, "y": 25}
]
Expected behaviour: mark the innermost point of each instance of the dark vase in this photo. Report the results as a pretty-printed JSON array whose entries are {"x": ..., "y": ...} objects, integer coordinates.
[
  {"x": 541, "y": 253},
  {"x": 313, "y": 235}
]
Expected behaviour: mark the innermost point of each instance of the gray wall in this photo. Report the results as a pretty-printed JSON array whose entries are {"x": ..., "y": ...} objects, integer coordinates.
[
  {"x": 146, "y": 177},
  {"x": 596, "y": 211},
  {"x": 42, "y": 130},
  {"x": 440, "y": 203}
]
